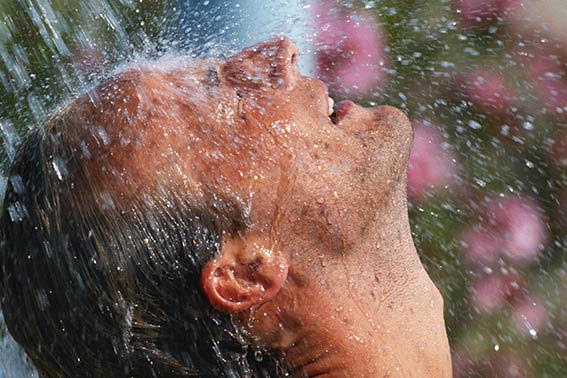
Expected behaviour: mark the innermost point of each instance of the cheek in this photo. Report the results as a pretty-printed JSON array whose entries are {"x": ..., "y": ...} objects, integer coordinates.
[
  {"x": 246, "y": 167},
  {"x": 328, "y": 197},
  {"x": 386, "y": 167},
  {"x": 362, "y": 178}
]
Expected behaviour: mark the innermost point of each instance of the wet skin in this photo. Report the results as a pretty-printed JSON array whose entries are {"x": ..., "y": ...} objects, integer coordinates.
[{"x": 323, "y": 266}]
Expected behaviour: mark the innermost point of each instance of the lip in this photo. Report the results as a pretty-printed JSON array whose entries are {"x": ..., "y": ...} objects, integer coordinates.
[
  {"x": 359, "y": 120},
  {"x": 325, "y": 94},
  {"x": 341, "y": 109}
]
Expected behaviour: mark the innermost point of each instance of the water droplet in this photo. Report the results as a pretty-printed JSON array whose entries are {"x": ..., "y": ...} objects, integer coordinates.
[
  {"x": 474, "y": 124},
  {"x": 59, "y": 168},
  {"x": 479, "y": 182},
  {"x": 470, "y": 51},
  {"x": 529, "y": 164}
]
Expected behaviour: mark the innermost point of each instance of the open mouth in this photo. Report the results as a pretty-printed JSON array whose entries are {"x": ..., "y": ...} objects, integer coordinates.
[
  {"x": 337, "y": 111},
  {"x": 331, "y": 109}
]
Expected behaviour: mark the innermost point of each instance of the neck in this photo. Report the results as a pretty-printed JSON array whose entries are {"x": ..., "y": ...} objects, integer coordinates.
[{"x": 378, "y": 327}]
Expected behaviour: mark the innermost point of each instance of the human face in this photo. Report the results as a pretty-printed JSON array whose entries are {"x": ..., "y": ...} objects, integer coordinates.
[{"x": 251, "y": 131}]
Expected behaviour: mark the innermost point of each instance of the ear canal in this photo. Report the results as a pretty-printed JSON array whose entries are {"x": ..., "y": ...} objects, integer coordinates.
[{"x": 243, "y": 277}]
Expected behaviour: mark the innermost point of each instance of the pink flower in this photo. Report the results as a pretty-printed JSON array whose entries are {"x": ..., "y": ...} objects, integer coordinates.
[
  {"x": 489, "y": 294},
  {"x": 349, "y": 55},
  {"x": 478, "y": 11},
  {"x": 488, "y": 90},
  {"x": 520, "y": 224},
  {"x": 513, "y": 227},
  {"x": 551, "y": 86},
  {"x": 431, "y": 167},
  {"x": 559, "y": 149},
  {"x": 529, "y": 316},
  {"x": 482, "y": 246}
]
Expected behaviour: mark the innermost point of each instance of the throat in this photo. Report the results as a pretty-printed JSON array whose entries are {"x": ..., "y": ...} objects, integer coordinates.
[{"x": 396, "y": 334}]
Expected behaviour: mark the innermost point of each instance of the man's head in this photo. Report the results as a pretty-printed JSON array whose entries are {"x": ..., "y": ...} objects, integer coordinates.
[{"x": 217, "y": 217}]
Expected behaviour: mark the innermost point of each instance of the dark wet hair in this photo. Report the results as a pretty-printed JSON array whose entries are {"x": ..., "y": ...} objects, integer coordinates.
[{"x": 90, "y": 286}]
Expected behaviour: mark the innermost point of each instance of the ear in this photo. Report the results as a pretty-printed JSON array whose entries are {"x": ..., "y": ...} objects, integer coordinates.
[{"x": 247, "y": 273}]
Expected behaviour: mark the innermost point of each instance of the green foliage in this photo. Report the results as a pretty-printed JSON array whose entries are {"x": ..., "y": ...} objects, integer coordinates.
[{"x": 50, "y": 50}]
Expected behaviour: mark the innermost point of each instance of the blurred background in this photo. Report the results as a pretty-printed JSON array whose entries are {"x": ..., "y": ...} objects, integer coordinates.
[{"x": 484, "y": 83}]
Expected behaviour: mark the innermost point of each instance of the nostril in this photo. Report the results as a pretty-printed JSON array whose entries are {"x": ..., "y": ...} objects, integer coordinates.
[
  {"x": 286, "y": 69},
  {"x": 294, "y": 58},
  {"x": 287, "y": 50}
]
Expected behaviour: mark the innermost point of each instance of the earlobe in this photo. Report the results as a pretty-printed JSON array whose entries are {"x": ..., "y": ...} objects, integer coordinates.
[{"x": 244, "y": 275}]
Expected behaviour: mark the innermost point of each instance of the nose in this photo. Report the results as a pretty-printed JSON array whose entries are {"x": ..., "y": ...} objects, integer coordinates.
[{"x": 273, "y": 62}]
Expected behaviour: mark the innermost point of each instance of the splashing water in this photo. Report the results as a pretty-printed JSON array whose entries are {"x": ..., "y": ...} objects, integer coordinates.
[{"x": 484, "y": 83}]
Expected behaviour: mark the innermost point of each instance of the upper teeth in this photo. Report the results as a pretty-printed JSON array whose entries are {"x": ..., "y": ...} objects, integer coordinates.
[{"x": 331, "y": 104}]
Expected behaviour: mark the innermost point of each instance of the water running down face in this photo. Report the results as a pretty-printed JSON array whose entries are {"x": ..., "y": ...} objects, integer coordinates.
[{"x": 316, "y": 259}]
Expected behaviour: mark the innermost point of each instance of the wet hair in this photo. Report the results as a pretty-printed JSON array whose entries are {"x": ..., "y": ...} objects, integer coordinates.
[{"x": 90, "y": 286}]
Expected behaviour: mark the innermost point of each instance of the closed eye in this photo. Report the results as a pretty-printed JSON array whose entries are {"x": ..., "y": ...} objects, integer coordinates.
[{"x": 213, "y": 76}]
